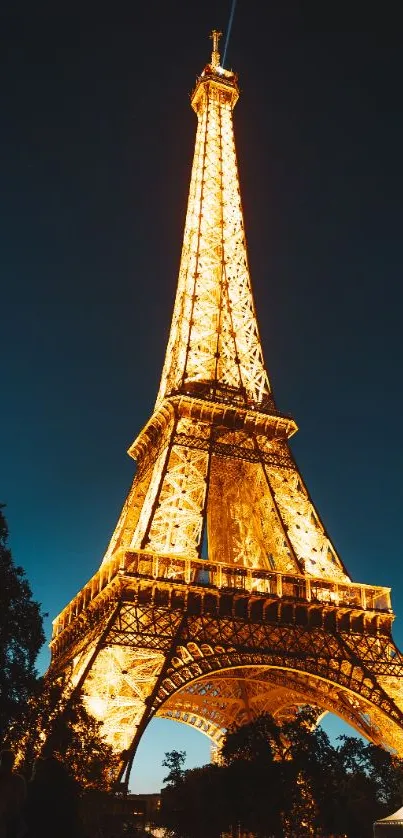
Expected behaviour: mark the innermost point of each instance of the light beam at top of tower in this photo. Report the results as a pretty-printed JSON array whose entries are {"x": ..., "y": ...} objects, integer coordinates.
[{"x": 230, "y": 22}]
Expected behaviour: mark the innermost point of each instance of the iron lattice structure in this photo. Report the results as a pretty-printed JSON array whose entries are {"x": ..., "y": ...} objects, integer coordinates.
[{"x": 221, "y": 595}]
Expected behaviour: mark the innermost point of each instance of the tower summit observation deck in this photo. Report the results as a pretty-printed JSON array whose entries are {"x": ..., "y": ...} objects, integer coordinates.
[{"x": 221, "y": 595}]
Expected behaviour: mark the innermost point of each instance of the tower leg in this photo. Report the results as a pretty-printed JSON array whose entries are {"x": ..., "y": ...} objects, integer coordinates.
[{"x": 131, "y": 752}]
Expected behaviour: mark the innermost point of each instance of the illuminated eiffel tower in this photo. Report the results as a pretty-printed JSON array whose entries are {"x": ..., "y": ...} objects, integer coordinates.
[{"x": 221, "y": 595}]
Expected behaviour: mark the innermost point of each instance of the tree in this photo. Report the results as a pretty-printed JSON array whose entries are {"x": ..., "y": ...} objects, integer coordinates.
[
  {"x": 38, "y": 717},
  {"x": 53, "y": 722},
  {"x": 272, "y": 771},
  {"x": 285, "y": 780},
  {"x": 196, "y": 808},
  {"x": 259, "y": 739},
  {"x": 54, "y": 726},
  {"x": 21, "y": 634},
  {"x": 174, "y": 760},
  {"x": 370, "y": 787}
]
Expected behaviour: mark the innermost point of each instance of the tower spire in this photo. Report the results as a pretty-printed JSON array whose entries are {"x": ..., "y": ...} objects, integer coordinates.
[
  {"x": 215, "y": 55},
  {"x": 214, "y": 344}
]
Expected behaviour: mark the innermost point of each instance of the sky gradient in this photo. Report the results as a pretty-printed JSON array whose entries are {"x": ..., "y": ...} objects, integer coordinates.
[{"x": 97, "y": 143}]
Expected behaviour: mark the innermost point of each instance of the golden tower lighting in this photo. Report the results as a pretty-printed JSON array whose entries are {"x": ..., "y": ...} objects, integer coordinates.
[{"x": 221, "y": 595}]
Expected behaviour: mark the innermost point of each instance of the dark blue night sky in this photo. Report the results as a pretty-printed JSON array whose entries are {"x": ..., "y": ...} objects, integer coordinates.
[{"x": 96, "y": 146}]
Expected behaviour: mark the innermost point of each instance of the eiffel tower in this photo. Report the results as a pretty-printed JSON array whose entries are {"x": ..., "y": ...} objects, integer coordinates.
[{"x": 221, "y": 594}]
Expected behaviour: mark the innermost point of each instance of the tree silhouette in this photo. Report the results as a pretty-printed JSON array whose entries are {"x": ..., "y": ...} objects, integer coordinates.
[
  {"x": 53, "y": 722},
  {"x": 286, "y": 781},
  {"x": 21, "y": 634},
  {"x": 174, "y": 761},
  {"x": 57, "y": 743}
]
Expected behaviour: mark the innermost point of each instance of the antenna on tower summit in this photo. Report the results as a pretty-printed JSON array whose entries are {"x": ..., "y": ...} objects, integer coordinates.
[{"x": 215, "y": 55}]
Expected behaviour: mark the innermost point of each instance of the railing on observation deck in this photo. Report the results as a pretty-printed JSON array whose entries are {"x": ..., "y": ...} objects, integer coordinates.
[{"x": 218, "y": 576}]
